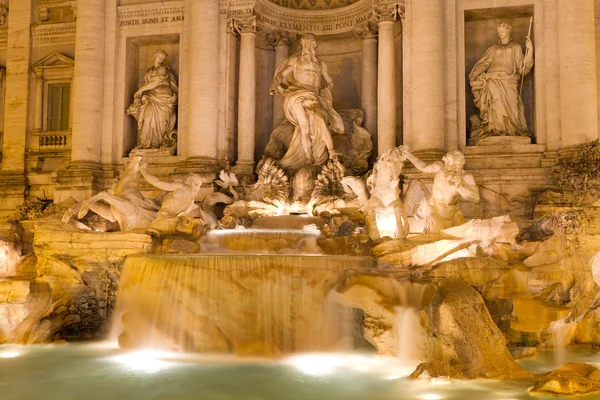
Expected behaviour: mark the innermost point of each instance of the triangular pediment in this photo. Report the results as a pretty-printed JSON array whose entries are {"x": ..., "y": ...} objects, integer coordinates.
[{"x": 54, "y": 60}]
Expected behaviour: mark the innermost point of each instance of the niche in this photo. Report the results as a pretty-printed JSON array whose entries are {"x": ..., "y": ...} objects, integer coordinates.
[
  {"x": 480, "y": 35},
  {"x": 139, "y": 59}
]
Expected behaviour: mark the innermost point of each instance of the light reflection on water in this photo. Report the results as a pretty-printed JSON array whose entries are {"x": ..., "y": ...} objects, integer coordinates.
[{"x": 101, "y": 371}]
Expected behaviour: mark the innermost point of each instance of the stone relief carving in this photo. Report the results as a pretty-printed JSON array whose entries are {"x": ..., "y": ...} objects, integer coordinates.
[
  {"x": 155, "y": 106},
  {"x": 496, "y": 81},
  {"x": 441, "y": 209},
  {"x": 578, "y": 173}
]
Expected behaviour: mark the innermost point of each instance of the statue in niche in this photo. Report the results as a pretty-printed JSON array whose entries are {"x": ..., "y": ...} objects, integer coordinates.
[
  {"x": 441, "y": 209},
  {"x": 496, "y": 85},
  {"x": 305, "y": 84},
  {"x": 155, "y": 106}
]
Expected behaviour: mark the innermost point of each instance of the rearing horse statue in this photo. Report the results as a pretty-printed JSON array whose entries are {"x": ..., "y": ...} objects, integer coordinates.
[{"x": 124, "y": 204}]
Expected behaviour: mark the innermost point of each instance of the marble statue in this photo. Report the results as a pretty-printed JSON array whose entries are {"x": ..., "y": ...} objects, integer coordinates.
[
  {"x": 123, "y": 203},
  {"x": 155, "y": 106},
  {"x": 380, "y": 198},
  {"x": 441, "y": 209},
  {"x": 305, "y": 84},
  {"x": 496, "y": 85},
  {"x": 179, "y": 200}
]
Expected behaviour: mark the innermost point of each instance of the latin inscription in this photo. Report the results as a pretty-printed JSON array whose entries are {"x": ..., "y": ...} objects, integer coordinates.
[
  {"x": 314, "y": 27},
  {"x": 151, "y": 21}
]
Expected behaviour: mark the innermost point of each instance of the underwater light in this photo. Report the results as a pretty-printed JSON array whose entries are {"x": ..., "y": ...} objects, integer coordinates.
[
  {"x": 142, "y": 361},
  {"x": 430, "y": 396},
  {"x": 10, "y": 354},
  {"x": 315, "y": 364}
]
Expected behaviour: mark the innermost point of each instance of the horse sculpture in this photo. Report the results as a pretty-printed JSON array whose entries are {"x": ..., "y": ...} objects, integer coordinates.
[{"x": 123, "y": 203}]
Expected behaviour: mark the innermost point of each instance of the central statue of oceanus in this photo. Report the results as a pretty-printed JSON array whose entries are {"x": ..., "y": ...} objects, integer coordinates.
[{"x": 314, "y": 133}]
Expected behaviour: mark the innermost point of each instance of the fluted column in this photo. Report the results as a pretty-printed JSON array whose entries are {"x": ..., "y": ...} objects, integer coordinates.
[
  {"x": 428, "y": 75},
  {"x": 88, "y": 84},
  {"x": 280, "y": 40},
  {"x": 201, "y": 138},
  {"x": 578, "y": 81},
  {"x": 368, "y": 97},
  {"x": 386, "y": 78},
  {"x": 246, "y": 27}
]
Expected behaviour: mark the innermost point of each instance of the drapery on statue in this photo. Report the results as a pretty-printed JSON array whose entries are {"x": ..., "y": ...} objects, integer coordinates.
[
  {"x": 306, "y": 85},
  {"x": 155, "y": 106},
  {"x": 495, "y": 83},
  {"x": 450, "y": 184}
]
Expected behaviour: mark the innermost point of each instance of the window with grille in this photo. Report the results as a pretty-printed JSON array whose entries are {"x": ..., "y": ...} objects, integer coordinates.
[{"x": 59, "y": 97}]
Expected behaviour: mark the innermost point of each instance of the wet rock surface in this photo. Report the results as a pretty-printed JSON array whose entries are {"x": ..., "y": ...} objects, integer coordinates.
[{"x": 573, "y": 379}]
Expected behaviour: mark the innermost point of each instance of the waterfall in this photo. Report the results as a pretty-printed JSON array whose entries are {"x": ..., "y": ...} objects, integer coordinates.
[
  {"x": 261, "y": 241},
  {"x": 245, "y": 304},
  {"x": 408, "y": 321}
]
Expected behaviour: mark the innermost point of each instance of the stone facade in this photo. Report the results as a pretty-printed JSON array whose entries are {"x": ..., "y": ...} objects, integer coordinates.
[{"x": 72, "y": 68}]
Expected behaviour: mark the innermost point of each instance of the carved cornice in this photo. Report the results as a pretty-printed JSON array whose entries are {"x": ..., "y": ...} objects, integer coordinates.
[
  {"x": 320, "y": 22},
  {"x": 244, "y": 25},
  {"x": 368, "y": 30},
  {"x": 53, "y": 34},
  {"x": 280, "y": 38}
]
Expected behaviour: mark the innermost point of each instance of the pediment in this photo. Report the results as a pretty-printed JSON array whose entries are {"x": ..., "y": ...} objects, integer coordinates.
[{"x": 54, "y": 60}]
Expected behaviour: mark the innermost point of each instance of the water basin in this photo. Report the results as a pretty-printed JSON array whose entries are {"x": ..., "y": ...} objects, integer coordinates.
[{"x": 99, "y": 371}]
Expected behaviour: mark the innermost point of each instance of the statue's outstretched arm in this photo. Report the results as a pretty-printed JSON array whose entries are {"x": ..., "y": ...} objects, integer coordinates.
[
  {"x": 421, "y": 166},
  {"x": 162, "y": 185}
]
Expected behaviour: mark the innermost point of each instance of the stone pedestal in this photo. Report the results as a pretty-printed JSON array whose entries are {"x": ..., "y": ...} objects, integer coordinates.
[{"x": 501, "y": 141}]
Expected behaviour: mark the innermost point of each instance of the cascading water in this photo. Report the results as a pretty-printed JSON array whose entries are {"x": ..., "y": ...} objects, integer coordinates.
[
  {"x": 562, "y": 332},
  {"x": 245, "y": 304},
  {"x": 408, "y": 321}
]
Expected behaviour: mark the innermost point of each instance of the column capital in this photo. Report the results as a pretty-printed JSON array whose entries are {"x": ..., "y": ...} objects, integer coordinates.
[
  {"x": 280, "y": 38},
  {"x": 388, "y": 11},
  {"x": 244, "y": 25},
  {"x": 368, "y": 30}
]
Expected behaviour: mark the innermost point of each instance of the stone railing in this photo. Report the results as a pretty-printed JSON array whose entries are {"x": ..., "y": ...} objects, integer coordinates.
[{"x": 54, "y": 140}]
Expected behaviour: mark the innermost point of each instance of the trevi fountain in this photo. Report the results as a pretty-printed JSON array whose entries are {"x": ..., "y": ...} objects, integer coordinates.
[{"x": 299, "y": 199}]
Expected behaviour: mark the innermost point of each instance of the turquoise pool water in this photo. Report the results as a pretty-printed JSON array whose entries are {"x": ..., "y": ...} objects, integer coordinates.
[{"x": 99, "y": 371}]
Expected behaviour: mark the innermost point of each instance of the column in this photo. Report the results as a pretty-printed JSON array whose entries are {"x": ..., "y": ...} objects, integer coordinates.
[
  {"x": 88, "y": 85},
  {"x": 39, "y": 102},
  {"x": 12, "y": 168},
  {"x": 386, "y": 78},
  {"x": 201, "y": 139},
  {"x": 578, "y": 81},
  {"x": 246, "y": 27},
  {"x": 368, "y": 97},
  {"x": 428, "y": 119},
  {"x": 281, "y": 41}
]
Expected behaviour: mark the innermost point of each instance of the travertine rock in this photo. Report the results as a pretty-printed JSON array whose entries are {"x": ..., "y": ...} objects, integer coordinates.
[
  {"x": 460, "y": 331},
  {"x": 573, "y": 379}
]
